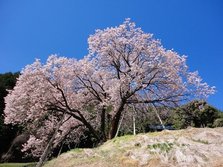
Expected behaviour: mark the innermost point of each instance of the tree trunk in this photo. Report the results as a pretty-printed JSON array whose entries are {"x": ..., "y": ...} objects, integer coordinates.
[
  {"x": 108, "y": 123},
  {"x": 85, "y": 123},
  {"x": 115, "y": 121},
  {"x": 134, "y": 120},
  {"x": 157, "y": 114},
  {"x": 88, "y": 125},
  {"x": 49, "y": 146},
  {"x": 103, "y": 135},
  {"x": 60, "y": 149},
  {"x": 119, "y": 126}
]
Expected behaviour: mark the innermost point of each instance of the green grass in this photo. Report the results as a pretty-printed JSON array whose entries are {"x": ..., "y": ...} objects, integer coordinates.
[
  {"x": 77, "y": 150},
  {"x": 31, "y": 164},
  {"x": 124, "y": 138},
  {"x": 166, "y": 147}
]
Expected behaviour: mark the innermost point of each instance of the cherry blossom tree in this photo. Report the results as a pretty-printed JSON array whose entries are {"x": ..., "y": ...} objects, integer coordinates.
[
  {"x": 39, "y": 103},
  {"x": 125, "y": 68},
  {"x": 139, "y": 70}
]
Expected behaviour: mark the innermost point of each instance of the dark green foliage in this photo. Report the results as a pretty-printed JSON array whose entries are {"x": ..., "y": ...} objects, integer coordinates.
[
  {"x": 7, "y": 82},
  {"x": 145, "y": 118},
  {"x": 7, "y": 132},
  {"x": 195, "y": 114}
]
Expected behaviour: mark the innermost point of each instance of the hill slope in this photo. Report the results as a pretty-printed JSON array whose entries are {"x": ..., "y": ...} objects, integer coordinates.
[{"x": 188, "y": 148}]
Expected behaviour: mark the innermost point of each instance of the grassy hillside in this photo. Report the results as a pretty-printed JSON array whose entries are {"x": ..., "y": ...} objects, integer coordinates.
[{"x": 191, "y": 147}]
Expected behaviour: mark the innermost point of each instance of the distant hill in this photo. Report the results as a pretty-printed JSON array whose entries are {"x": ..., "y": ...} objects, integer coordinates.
[{"x": 191, "y": 147}]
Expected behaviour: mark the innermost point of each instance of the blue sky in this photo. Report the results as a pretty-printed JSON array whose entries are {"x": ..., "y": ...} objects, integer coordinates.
[{"x": 32, "y": 29}]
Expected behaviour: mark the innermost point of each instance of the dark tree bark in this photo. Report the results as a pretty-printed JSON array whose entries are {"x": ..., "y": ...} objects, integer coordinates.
[{"x": 115, "y": 121}]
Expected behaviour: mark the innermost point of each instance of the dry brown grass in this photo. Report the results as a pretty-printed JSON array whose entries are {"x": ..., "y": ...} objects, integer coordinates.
[{"x": 189, "y": 148}]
